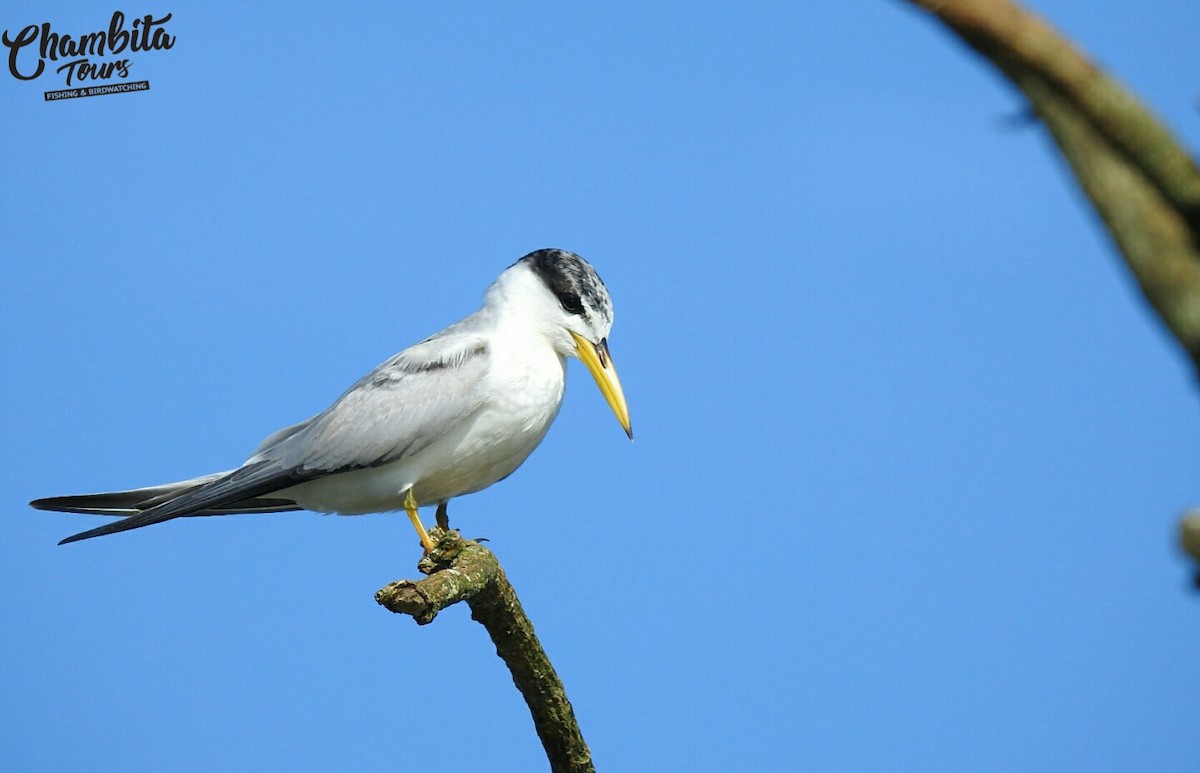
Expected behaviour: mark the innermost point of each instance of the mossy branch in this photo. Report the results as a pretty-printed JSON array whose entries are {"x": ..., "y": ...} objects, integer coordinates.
[
  {"x": 1189, "y": 539},
  {"x": 462, "y": 570},
  {"x": 1143, "y": 183}
]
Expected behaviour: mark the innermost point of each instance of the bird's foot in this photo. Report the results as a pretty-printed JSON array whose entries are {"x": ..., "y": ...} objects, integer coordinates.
[
  {"x": 410, "y": 507},
  {"x": 448, "y": 543}
]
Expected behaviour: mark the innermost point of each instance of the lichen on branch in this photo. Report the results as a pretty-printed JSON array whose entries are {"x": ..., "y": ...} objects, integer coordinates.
[{"x": 461, "y": 570}]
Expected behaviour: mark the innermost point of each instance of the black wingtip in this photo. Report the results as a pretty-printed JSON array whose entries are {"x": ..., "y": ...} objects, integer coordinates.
[
  {"x": 125, "y": 524},
  {"x": 82, "y": 536},
  {"x": 69, "y": 504}
]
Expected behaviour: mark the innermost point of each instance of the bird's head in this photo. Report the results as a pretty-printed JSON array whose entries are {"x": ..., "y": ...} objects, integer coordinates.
[{"x": 577, "y": 315}]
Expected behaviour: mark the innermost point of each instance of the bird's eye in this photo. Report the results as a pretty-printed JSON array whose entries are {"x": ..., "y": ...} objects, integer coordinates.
[{"x": 570, "y": 302}]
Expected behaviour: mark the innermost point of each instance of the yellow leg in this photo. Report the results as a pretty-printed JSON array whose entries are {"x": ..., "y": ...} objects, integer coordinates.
[{"x": 410, "y": 507}]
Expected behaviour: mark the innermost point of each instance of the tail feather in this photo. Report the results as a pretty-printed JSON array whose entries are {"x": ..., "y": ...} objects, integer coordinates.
[
  {"x": 120, "y": 502},
  {"x": 135, "y": 502}
]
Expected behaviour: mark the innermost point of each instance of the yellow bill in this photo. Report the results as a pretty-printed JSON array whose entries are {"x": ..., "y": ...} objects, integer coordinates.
[{"x": 600, "y": 364}]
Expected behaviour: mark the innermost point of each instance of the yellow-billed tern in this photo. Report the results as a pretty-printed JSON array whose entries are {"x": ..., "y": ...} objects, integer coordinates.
[{"x": 449, "y": 416}]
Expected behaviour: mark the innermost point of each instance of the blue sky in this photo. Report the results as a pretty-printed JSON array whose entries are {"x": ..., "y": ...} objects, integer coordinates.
[{"x": 910, "y": 446}]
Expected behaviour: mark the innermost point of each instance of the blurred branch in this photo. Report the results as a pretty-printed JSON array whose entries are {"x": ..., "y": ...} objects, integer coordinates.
[
  {"x": 461, "y": 570},
  {"x": 1189, "y": 539},
  {"x": 1144, "y": 184}
]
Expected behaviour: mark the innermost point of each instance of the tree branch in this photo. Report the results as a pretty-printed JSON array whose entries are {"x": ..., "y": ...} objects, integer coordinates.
[
  {"x": 461, "y": 570},
  {"x": 1189, "y": 539},
  {"x": 1144, "y": 184}
]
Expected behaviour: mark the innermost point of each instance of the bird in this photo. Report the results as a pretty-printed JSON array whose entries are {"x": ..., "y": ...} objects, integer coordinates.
[{"x": 446, "y": 417}]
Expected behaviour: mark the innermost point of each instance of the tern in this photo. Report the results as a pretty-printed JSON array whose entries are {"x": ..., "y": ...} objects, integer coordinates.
[{"x": 448, "y": 416}]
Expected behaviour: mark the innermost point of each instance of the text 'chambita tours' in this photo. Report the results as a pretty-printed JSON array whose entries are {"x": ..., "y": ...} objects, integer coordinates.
[{"x": 30, "y": 49}]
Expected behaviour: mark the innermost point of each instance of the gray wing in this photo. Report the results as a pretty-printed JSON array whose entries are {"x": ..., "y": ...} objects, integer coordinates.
[{"x": 395, "y": 411}]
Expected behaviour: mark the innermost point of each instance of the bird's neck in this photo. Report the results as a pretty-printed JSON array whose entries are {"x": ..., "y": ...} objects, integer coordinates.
[{"x": 515, "y": 304}]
